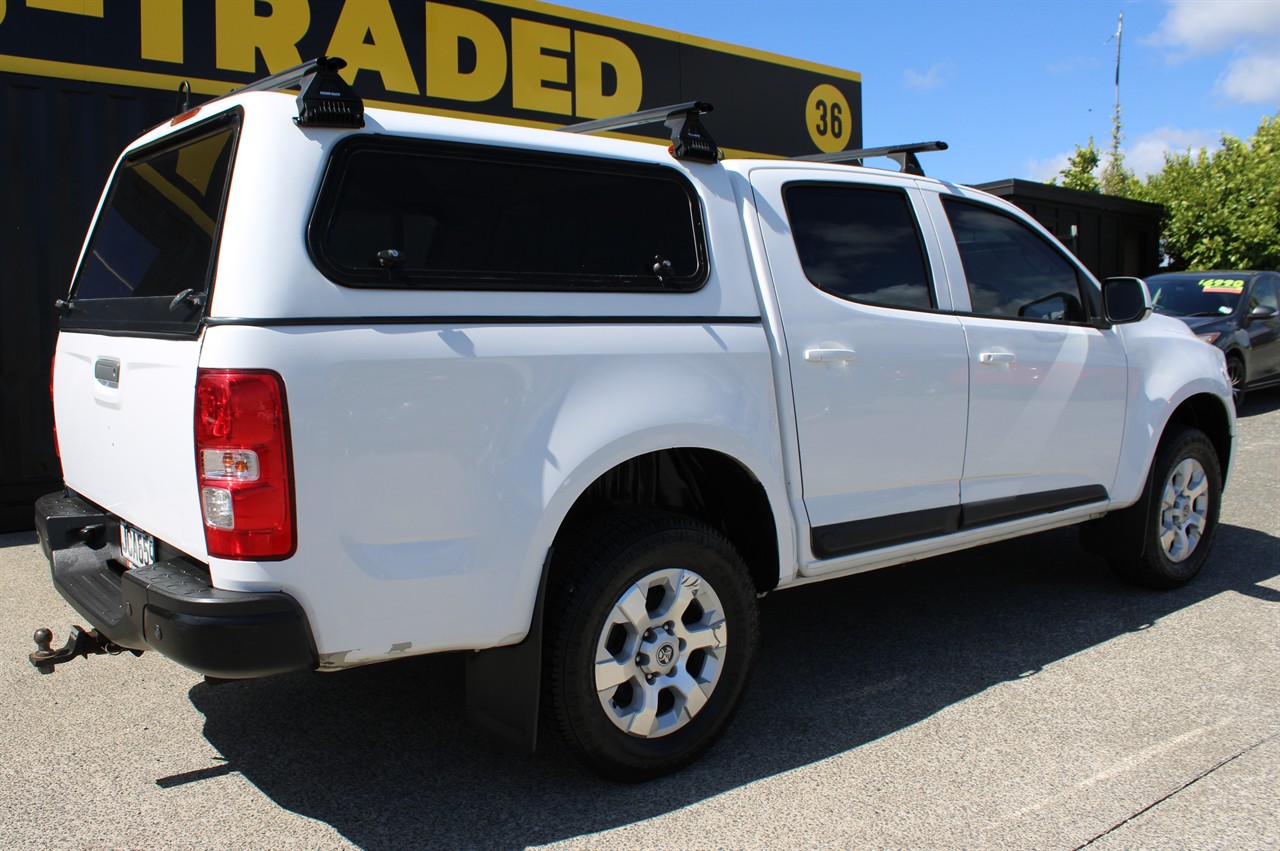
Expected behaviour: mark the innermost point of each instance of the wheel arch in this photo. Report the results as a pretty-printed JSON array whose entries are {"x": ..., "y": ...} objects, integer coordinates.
[
  {"x": 1205, "y": 412},
  {"x": 1120, "y": 534},
  {"x": 708, "y": 484},
  {"x": 504, "y": 683},
  {"x": 1175, "y": 379}
]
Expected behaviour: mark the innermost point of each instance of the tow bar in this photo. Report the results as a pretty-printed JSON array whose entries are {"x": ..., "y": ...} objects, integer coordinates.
[{"x": 81, "y": 642}]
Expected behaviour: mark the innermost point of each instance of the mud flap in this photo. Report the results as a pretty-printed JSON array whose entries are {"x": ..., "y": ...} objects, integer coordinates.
[
  {"x": 504, "y": 684},
  {"x": 1121, "y": 534}
]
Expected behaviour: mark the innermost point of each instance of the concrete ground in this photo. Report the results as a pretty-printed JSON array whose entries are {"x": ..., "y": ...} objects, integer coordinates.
[{"x": 1015, "y": 696}]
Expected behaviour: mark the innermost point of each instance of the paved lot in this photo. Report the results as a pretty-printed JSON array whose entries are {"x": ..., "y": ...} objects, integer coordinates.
[{"x": 1013, "y": 697}]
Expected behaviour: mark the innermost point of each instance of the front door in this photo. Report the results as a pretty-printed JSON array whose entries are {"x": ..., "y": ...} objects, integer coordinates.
[{"x": 1047, "y": 388}]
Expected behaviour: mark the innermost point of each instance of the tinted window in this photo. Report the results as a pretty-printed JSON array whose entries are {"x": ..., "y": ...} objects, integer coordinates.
[
  {"x": 860, "y": 243},
  {"x": 156, "y": 236},
  {"x": 1010, "y": 269},
  {"x": 406, "y": 213},
  {"x": 1264, "y": 294}
]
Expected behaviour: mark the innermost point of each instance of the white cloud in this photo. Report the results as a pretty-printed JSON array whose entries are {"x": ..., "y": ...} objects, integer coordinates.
[
  {"x": 1046, "y": 169},
  {"x": 1145, "y": 156},
  {"x": 1207, "y": 26},
  {"x": 1253, "y": 78},
  {"x": 1250, "y": 29},
  {"x": 930, "y": 79}
]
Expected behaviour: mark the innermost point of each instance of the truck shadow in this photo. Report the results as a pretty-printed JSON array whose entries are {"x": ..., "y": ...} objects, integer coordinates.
[{"x": 384, "y": 756}]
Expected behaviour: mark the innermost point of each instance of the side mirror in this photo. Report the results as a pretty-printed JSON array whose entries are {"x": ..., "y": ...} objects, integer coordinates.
[
  {"x": 1262, "y": 311},
  {"x": 1125, "y": 300}
]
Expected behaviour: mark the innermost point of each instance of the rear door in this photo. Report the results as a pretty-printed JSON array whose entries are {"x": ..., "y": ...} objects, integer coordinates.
[
  {"x": 877, "y": 367},
  {"x": 128, "y": 348}
]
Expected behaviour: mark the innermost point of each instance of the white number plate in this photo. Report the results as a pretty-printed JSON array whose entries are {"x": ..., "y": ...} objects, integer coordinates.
[{"x": 137, "y": 547}]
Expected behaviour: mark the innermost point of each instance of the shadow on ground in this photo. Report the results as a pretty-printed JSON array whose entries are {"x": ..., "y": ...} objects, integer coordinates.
[
  {"x": 383, "y": 754},
  {"x": 1258, "y": 402},
  {"x": 17, "y": 539}
]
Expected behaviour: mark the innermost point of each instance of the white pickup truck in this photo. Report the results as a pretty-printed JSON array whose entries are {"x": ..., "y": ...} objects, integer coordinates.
[{"x": 337, "y": 386}]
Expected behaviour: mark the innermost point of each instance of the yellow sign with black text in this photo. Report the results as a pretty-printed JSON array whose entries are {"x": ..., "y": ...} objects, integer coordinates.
[{"x": 526, "y": 63}]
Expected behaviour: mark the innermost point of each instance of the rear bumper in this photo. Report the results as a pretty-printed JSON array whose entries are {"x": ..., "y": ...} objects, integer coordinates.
[{"x": 169, "y": 606}]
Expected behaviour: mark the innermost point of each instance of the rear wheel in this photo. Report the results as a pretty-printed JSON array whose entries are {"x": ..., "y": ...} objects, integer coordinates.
[
  {"x": 652, "y": 631},
  {"x": 1183, "y": 497}
]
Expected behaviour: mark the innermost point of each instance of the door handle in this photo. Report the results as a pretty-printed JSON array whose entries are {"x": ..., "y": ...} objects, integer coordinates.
[
  {"x": 830, "y": 355},
  {"x": 997, "y": 357}
]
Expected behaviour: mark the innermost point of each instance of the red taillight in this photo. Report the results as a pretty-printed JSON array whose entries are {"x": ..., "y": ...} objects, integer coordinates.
[{"x": 243, "y": 464}]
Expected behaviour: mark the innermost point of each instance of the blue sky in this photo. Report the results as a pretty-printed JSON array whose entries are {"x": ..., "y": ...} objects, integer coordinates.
[{"x": 1014, "y": 86}]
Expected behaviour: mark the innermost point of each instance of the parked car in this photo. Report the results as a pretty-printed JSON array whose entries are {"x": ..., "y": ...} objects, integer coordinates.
[
  {"x": 1239, "y": 312},
  {"x": 336, "y": 387}
]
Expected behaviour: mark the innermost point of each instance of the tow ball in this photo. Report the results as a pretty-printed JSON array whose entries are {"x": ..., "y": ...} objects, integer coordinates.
[{"x": 81, "y": 642}]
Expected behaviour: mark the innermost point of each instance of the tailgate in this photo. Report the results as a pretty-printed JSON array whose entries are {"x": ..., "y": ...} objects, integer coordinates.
[{"x": 125, "y": 409}]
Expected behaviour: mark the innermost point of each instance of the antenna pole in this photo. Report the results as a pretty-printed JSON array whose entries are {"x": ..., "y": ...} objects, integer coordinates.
[{"x": 1115, "y": 120}]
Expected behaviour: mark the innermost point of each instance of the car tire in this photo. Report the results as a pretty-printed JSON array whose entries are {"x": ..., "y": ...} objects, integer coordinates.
[
  {"x": 1182, "y": 499},
  {"x": 651, "y": 633},
  {"x": 1235, "y": 374}
]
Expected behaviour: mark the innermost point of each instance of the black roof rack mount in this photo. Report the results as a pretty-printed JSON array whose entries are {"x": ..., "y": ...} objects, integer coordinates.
[
  {"x": 324, "y": 98},
  {"x": 903, "y": 155},
  {"x": 689, "y": 140}
]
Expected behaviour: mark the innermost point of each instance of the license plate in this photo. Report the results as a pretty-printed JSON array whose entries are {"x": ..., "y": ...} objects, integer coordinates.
[{"x": 137, "y": 547}]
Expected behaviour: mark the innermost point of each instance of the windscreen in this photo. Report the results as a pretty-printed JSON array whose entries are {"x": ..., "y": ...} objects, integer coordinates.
[{"x": 1197, "y": 294}]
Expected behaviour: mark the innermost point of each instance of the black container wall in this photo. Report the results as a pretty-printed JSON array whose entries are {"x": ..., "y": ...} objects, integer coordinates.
[
  {"x": 59, "y": 140},
  {"x": 1113, "y": 236}
]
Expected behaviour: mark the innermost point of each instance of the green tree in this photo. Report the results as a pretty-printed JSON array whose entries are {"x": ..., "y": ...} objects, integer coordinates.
[
  {"x": 1080, "y": 168},
  {"x": 1116, "y": 178},
  {"x": 1222, "y": 209}
]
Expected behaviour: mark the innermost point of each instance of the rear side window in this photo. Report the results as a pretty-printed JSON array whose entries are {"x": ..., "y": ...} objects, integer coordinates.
[
  {"x": 860, "y": 243},
  {"x": 408, "y": 213},
  {"x": 149, "y": 263}
]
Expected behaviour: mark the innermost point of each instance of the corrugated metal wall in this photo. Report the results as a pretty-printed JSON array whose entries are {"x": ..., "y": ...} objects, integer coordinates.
[{"x": 58, "y": 141}]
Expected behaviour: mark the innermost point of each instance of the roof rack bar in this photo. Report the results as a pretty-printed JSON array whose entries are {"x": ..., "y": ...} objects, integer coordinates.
[
  {"x": 659, "y": 114},
  {"x": 292, "y": 76},
  {"x": 903, "y": 155},
  {"x": 689, "y": 140}
]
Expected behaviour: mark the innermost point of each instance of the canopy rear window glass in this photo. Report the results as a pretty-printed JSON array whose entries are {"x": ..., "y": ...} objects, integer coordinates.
[
  {"x": 156, "y": 237},
  {"x": 410, "y": 213}
]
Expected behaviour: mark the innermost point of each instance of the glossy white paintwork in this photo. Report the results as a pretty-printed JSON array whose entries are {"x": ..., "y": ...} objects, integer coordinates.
[
  {"x": 433, "y": 465},
  {"x": 1166, "y": 368},
  {"x": 881, "y": 425},
  {"x": 121, "y": 449},
  {"x": 1046, "y": 400},
  {"x": 434, "y": 461}
]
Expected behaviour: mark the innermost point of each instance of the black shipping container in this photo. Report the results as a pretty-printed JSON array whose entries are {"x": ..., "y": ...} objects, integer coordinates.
[
  {"x": 1112, "y": 236},
  {"x": 60, "y": 141}
]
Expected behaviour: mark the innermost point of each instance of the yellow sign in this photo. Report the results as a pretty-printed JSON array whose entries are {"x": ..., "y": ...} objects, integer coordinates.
[{"x": 520, "y": 62}]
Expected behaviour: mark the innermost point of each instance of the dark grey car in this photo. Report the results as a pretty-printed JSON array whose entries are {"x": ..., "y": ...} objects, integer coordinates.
[{"x": 1236, "y": 311}]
